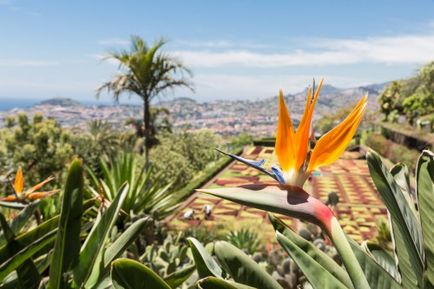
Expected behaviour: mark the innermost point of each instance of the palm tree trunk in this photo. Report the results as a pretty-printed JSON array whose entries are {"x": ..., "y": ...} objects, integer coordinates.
[{"x": 146, "y": 120}]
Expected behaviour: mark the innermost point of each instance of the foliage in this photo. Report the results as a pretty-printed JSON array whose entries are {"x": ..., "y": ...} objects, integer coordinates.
[
  {"x": 39, "y": 145},
  {"x": 413, "y": 97},
  {"x": 146, "y": 72},
  {"x": 368, "y": 266},
  {"x": 391, "y": 150},
  {"x": 183, "y": 156},
  {"x": 144, "y": 194},
  {"x": 384, "y": 237},
  {"x": 98, "y": 141},
  {"x": 59, "y": 240},
  {"x": 246, "y": 239},
  {"x": 168, "y": 258}
]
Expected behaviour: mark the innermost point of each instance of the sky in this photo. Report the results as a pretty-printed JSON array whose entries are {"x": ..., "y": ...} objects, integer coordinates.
[{"x": 243, "y": 49}]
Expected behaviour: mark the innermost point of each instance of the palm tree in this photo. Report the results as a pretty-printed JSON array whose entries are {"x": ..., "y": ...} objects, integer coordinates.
[{"x": 147, "y": 72}]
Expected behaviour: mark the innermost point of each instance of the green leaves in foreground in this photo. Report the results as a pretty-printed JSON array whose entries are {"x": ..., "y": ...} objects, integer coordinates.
[
  {"x": 311, "y": 250},
  {"x": 88, "y": 270},
  {"x": 205, "y": 264},
  {"x": 67, "y": 244},
  {"x": 216, "y": 283},
  {"x": 425, "y": 195},
  {"x": 242, "y": 268},
  {"x": 130, "y": 274},
  {"x": 407, "y": 231},
  {"x": 318, "y": 277},
  {"x": 27, "y": 272}
]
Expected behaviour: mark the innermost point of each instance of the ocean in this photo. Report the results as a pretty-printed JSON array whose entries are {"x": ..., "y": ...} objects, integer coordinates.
[{"x": 7, "y": 104}]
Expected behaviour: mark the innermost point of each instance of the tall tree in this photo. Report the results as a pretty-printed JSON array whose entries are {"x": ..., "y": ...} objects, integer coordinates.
[{"x": 146, "y": 71}]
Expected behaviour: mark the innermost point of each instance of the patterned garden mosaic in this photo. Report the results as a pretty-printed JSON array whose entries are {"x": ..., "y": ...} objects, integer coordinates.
[{"x": 358, "y": 209}]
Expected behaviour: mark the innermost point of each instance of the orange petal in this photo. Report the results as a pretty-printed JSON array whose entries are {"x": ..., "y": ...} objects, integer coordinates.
[
  {"x": 10, "y": 198},
  {"x": 40, "y": 195},
  {"x": 284, "y": 146},
  {"x": 40, "y": 185},
  {"x": 303, "y": 131},
  {"x": 333, "y": 144},
  {"x": 306, "y": 108},
  {"x": 19, "y": 181}
]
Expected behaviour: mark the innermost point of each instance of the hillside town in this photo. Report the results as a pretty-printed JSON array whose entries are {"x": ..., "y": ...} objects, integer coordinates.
[{"x": 225, "y": 117}]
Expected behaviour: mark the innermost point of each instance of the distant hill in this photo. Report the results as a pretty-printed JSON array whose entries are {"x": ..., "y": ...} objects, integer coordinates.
[
  {"x": 332, "y": 97},
  {"x": 60, "y": 101}
]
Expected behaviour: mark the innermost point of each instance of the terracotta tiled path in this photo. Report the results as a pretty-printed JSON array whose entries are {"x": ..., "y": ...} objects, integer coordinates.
[{"x": 357, "y": 211}]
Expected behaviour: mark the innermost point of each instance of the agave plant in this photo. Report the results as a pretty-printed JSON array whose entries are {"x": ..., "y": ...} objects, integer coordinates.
[
  {"x": 144, "y": 195},
  {"x": 246, "y": 239}
]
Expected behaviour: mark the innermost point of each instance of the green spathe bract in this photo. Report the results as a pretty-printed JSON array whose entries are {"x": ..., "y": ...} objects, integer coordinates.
[{"x": 295, "y": 202}]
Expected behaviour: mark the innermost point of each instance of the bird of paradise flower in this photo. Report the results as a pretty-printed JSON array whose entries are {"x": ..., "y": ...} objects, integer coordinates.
[
  {"x": 31, "y": 194},
  {"x": 295, "y": 157},
  {"x": 296, "y": 162}
]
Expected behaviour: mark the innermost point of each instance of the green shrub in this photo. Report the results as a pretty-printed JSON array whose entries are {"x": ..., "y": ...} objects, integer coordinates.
[{"x": 393, "y": 151}]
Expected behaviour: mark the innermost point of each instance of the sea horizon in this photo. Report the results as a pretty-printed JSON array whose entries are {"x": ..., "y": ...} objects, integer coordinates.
[{"x": 7, "y": 104}]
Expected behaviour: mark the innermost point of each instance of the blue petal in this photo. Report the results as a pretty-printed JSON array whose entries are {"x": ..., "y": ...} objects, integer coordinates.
[
  {"x": 254, "y": 164},
  {"x": 278, "y": 174}
]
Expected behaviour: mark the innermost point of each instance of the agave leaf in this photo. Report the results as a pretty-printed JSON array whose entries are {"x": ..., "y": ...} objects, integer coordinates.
[
  {"x": 242, "y": 268},
  {"x": 405, "y": 224},
  {"x": 317, "y": 275},
  {"x": 124, "y": 241},
  {"x": 217, "y": 283},
  {"x": 130, "y": 274},
  {"x": 178, "y": 277},
  {"x": 377, "y": 277},
  {"x": 425, "y": 193},
  {"x": 91, "y": 260},
  {"x": 67, "y": 245},
  {"x": 205, "y": 264},
  {"x": 27, "y": 272},
  {"x": 383, "y": 258},
  {"x": 310, "y": 249}
]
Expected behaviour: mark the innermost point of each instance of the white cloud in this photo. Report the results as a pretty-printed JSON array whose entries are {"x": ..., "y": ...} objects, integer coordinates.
[
  {"x": 218, "y": 86},
  {"x": 26, "y": 63},
  {"x": 407, "y": 49}
]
